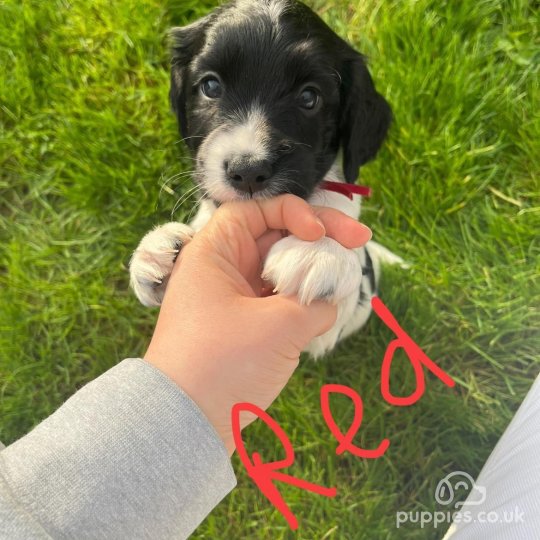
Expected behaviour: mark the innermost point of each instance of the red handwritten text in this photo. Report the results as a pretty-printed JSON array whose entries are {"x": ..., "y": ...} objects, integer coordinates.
[
  {"x": 415, "y": 354},
  {"x": 265, "y": 474},
  {"x": 345, "y": 441}
]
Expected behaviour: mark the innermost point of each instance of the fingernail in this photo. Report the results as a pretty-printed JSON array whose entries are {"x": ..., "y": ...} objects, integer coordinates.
[
  {"x": 366, "y": 232},
  {"x": 321, "y": 224}
]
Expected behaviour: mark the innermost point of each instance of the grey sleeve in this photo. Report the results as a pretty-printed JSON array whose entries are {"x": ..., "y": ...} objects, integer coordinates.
[{"x": 128, "y": 456}]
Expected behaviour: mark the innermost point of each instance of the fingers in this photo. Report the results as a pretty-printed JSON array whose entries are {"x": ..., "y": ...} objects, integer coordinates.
[
  {"x": 295, "y": 215},
  {"x": 344, "y": 229},
  {"x": 304, "y": 221},
  {"x": 298, "y": 217},
  {"x": 284, "y": 212}
]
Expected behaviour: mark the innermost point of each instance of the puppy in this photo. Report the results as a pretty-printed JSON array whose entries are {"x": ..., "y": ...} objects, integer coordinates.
[{"x": 269, "y": 101}]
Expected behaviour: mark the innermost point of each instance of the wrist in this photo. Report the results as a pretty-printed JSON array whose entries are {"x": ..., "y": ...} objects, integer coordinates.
[{"x": 222, "y": 427}]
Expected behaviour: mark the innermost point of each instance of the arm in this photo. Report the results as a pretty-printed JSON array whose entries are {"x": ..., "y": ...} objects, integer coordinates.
[{"x": 129, "y": 455}]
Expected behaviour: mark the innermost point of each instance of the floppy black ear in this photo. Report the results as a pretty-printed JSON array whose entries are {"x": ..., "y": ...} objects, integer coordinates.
[
  {"x": 365, "y": 117},
  {"x": 185, "y": 41}
]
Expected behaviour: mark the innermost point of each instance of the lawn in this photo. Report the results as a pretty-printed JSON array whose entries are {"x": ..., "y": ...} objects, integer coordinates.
[{"x": 90, "y": 159}]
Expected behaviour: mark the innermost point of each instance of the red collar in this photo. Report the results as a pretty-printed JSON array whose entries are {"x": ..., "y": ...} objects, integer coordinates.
[{"x": 346, "y": 189}]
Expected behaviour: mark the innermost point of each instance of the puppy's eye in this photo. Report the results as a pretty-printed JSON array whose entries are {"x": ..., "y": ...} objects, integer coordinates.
[
  {"x": 211, "y": 88},
  {"x": 308, "y": 98}
]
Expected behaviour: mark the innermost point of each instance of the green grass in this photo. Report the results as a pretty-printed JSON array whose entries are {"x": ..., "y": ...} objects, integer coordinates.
[{"x": 88, "y": 157}]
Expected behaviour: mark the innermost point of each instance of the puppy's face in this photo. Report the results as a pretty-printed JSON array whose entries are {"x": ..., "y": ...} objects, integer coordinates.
[{"x": 266, "y": 94}]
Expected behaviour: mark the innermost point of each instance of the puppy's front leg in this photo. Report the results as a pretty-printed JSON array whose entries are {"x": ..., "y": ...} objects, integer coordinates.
[
  {"x": 153, "y": 260},
  {"x": 320, "y": 270}
]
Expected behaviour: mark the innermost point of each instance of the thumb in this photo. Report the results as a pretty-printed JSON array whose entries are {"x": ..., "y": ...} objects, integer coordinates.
[
  {"x": 318, "y": 317},
  {"x": 308, "y": 321}
]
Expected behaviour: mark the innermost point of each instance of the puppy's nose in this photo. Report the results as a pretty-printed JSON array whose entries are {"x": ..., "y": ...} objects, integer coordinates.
[{"x": 248, "y": 175}]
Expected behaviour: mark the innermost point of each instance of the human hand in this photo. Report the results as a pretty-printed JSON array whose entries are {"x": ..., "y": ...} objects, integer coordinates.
[{"x": 218, "y": 335}]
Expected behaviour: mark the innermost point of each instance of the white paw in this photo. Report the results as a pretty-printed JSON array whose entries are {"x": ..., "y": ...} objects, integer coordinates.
[
  {"x": 320, "y": 270},
  {"x": 153, "y": 260}
]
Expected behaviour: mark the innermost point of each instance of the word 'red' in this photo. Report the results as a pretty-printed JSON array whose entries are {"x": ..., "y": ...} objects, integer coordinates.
[{"x": 265, "y": 474}]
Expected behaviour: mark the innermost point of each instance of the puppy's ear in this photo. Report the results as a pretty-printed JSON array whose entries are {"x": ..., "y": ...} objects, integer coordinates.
[
  {"x": 184, "y": 42},
  {"x": 365, "y": 117}
]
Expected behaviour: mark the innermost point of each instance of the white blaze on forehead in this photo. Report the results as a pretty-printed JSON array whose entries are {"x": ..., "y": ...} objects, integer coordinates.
[
  {"x": 273, "y": 8},
  {"x": 247, "y": 136}
]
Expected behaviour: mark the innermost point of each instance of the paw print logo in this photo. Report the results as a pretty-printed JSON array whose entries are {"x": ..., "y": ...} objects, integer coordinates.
[{"x": 447, "y": 489}]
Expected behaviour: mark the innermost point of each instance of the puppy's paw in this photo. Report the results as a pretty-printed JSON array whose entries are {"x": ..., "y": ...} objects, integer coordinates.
[
  {"x": 153, "y": 260},
  {"x": 320, "y": 270}
]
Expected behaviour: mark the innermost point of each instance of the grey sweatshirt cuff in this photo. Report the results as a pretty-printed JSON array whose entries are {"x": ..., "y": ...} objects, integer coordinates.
[{"x": 129, "y": 455}]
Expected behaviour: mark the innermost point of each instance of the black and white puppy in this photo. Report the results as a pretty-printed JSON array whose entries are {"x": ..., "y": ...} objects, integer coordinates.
[{"x": 270, "y": 100}]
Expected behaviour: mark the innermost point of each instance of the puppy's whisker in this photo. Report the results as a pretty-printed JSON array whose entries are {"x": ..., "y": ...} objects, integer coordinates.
[
  {"x": 297, "y": 143},
  {"x": 203, "y": 196},
  {"x": 183, "y": 198},
  {"x": 180, "y": 177},
  {"x": 337, "y": 75},
  {"x": 190, "y": 137},
  {"x": 167, "y": 181}
]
